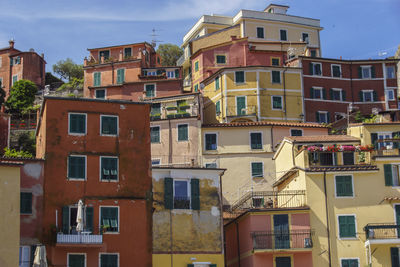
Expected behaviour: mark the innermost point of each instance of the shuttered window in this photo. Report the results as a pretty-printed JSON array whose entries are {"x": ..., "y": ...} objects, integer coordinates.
[
  {"x": 349, "y": 263},
  {"x": 196, "y": 66},
  {"x": 218, "y": 108},
  {"x": 76, "y": 260},
  {"x": 260, "y": 32},
  {"x": 344, "y": 186},
  {"x": 217, "y": 83},
  {"x": 183, "y": 132},
  {"x": 276, "y": 76},
  {"x": 77, "y": 123},
  {"x": 211, "y": 141},
  {"x": 77, "y": 167},
  {"x": 256, "y": 140},
  {"x": 105, "y": 53},
  {"x": 155, "y": 134},
  {"x": 347, "y": 226},
  {"x": 150, "y": 90},
  {"x": 176, "y": 194},
  {"x": 348, "y": 158},
  {"x": 221, "y": 59},
  {"x": 394, "y": 256},
  {"x": 120, "y": 76},
  {"x": 275, "y": 62},
  {"x": 109, "y": 260},
  {"x": 127, "y": 52},
  {"x": 109, "y": 125},
  {"x": 239, "y": 77},
  {"x": 109, "y": 219},
  {"x": 26, "y": 203},
  {"x": 283, "y": 35},
  {"x": 101, "y": 94},
  {"x": 336, "y": 71},
  {"x": 241, "y": 105},
  {"x": 109, "y": 168},
  {"x": 276, "y": 102},
  {"x": 257, "y": 169},
  {"x": 97, "y": 79}
]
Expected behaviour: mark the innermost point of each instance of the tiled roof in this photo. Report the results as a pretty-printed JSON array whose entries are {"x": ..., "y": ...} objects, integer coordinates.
[
  {"x": 264, "y": 123},
  {"x": 391, "y": 198},
  {"x": 343, "y": 168},
  {"x": 322, "y": 138}
]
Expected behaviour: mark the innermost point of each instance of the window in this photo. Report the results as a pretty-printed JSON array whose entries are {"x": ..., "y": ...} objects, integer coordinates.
[
  {"x": 183, "y": 130},
  {"x": 212, "y": 165},
  {"x": 100, "y": 93},
  {"x": 109, "y": 219},
  {"x": 76, "y": 260},
  {"x": 390, "y": 94},
  {"x": 97, "y": 79},
  {"x": 394, "y": 255},
  {"x": 77, "y": 167},
  {"x": 108, "y": 260},
  {"x": 196, "y": 66},
  {"x": 365, "y": 72},
  {"x": 382, "y": 136},
  {"x": 221, "y": 59},
  {"x": 304, "y": 37},
  {"x": 241, "y": 105},
  {"x": 348, "y": 158},
  {"x": 275, "y": 61},
  {"x": 14, "y": 79},
  {"x": 105, "y": 54},
  {"x": 1, "y": 81},
  {"x": 317, "y": 93},
  {"x": 349, "y": 263},
  {"x": 155, "y": 162},
  {"x": 392, "y": 174},
  {"x": 196, "y": 88},
  {"x": 127, "y": 52},
  {"x": 336, "y": 94},
  {"x": 256, "y": 140},
  {"x": 155, "y": 109},
  {"x": 150, "y": 90},
  {"x": 239, "y": 77},
  {"x": 260, "y": 32},
  {"x": 109, "y": 168},
  {"x": 257, "y": 169},
  {"x": 181, "y": 194},
  {"x": 211, "y": 141},
  {"x": 322, "y": 117},
  {"x": 155, "y": 134},
  {"x": 109, "y": 125},
  {"x": 296, "y": 132},
  {"x": 276, "y": 76},
  {"x": 336, "y": 71},
  {"x": 327, "y": 158},
  {"x": 170, "y": 74},
  {"x": 77, "y": 124},
  {"x": 120, "y": 76},
  {"x": 218, "y": 108},
  {"x": 283, "y": 261},
  {"x": 347, "y": 226},
  {"x": 390, "y": 72},
  {"x": 26, "y": 203},
  {"x": 315, "y": 69},
  {"x": 368, "y": 96},
  {"x": 25, "y": 256},
  {"x": 276, "y": 102},
  {"x": 217, "y": 83},
  {"x": 283, "y": 34},
  {"x": 313, "y": 53},
  {"x": 344, "y": 186}
]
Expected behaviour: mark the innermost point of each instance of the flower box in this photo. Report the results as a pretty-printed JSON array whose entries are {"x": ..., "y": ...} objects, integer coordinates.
[
  {"x": 170, "y": 116},
  {"x": 184, "y": 107},
  {"x": 171, "y": 108}
]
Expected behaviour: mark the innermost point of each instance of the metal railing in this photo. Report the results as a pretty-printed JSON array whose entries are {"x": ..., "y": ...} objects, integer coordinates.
[
  {"x": 181, "y": 202},
  {"x": 271, "y": 199},
  {"x": 23, "y": 122},
  {"x": 83, "y": 238},
  {"x": 249, "y": 110},
  {"x": 187, "y": 82},
  {"x": 382, "y": 231},
  {"x": 282, "y": 239},
  {"x": 326, "y": 158}
]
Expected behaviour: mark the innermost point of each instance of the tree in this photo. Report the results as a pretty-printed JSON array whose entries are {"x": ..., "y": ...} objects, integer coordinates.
[
  {"x": 53, "y": 81},
  {"x": 27, "y": 142},
  {"x": 169, "y": 53},
  {"x": 22, "y": 96},
  {"x": 2, "y": 95},
  {"x": 68, "y": 70}
]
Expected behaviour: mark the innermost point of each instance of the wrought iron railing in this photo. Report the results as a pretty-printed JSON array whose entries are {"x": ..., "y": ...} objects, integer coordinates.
[
  {"x": 181, "y": 202},
  {"x": 84, "y": 237},
  {"x": 326, "y": 158},
  {"x": 282, "y": 239},
  {"x": 382, "y": 231}
]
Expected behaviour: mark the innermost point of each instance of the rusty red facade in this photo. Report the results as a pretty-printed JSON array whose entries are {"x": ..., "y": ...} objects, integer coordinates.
[
  {"x": 129, "y": 194},
  {"x": 4, "y": 131}
]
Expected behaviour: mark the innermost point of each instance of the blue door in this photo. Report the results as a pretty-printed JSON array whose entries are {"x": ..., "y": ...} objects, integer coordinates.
[{"x": 281, "y": 231}]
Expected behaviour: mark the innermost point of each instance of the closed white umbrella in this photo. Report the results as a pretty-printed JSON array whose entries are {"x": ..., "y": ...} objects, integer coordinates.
[
  {"x": 79, "y": 217},
  {"x": 40, "y": 257}
]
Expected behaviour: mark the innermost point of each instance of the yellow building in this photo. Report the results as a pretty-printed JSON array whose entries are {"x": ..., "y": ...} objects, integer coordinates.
[
  {"x": 10, "y": 210},
  {"x": 187, "y": 217},
  {"x": 352, "y": 191},
  {"x": 253, "y": 94}
]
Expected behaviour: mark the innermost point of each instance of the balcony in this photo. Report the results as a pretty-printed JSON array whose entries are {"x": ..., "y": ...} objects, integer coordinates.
[
  {"x": 237, "y": 111},
  {"x": 282, "y": 240},
  {"x": 382, "y": 233},
  {"x": 343, "y": 158},
  {"x": 387, "y": 148},
  {"x": 187, "y": 81},
  {"x": 84, "y": 238}
]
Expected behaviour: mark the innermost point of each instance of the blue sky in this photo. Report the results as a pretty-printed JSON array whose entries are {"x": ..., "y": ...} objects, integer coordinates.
[{"x": 352, "y": 28}]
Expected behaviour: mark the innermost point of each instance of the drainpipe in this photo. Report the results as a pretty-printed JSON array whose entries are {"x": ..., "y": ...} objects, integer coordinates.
[
  {"x": 351, "y": 82},
  {"x": 169, "y": 142},
  {"x": 327, "y": 221},
  {"x": 237, "y": 240},
  {"x": 171, "y": 242},
  {"x": 272, "y": 138},
  {"x": 112, "y": 71},
  {"x": 284, "y": 92}
]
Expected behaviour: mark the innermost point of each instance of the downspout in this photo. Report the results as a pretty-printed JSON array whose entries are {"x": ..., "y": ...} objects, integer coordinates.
[
  {"x": 171, "y": 239},
  {"x": 284, "y": 92},
  {"x": 327, "y": 221},
  {"x": 112, "y": 71},
  {"x": 169, "y": 142},
  {"x": 272, "y": 138},
  {"x": 238, "y": 241},
  {"x": 351, "y": 82}
]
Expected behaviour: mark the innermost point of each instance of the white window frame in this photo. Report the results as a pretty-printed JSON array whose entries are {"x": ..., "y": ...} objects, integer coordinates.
[
  {"x": 20, "y": 258},
  {"x": 73, "y": 253},
  {"x": 340, "y": 70},
  {"x": 155, "y": 89},
  {"x": 154, "y": 159},
  {"x": 321, "y": 92},
  {"x": 338, "y": 226},
  {"x": 325, "y": 113},
  {"x": 189, "y": 193},
  {"x": 245, "y": 100},
  {"x": 119, "y": 218},
  {"x": 383, "y": 134},
  {"x": 272, "y": 102},
  {"x": 69, "y": 118},
  {"x": 370, "y": 92},
  {"x": 105, "y": 93},
  {"x": 341, "y": 94},
  {"x": 177, "y": 132},
  {"x": 104, "y": 253},
  {"x": 362, "y": 72},
  {"x": 262, "y": 138},
  {"x": 101, "y": 125},
  {"x": 251, "y": 169},
  {"x": 77, "y": 179},
  {"x": 216, "y": 139},
  {"x": 159, "y": 130},
  {"x": 317, "y": 63},
  {"x": 172, "y": 72},
  {"x": 387, "y": 95},
  {"x": 387, "y": 73},
  {"x": 244, "y": 77},
  {"x": 100, "y": 167},
  {"x": 358, "y": 261},
  {"x": 209, "y": 163},
  {"x": 261, "y": 27},
  {"x": 302, "y": 132},
  {"x": 352, "y": 184},
  {"x": 287, "y": 35},
  {"x": 398, "y": 177},
  {"x": 280, "y": 77}
]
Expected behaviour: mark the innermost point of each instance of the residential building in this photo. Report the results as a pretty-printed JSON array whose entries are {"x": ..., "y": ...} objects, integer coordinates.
[
  {"x": 9, "y": 207},
  {"x": 4, "y": 131},
  {"x": 187, "y": 217},
  {"x": 16, "y": 65},
  {"x": 254, "y": 93},
  {"x": 245, "y": 150},
  {"x": 331, "y": 85},
  {"x": 111, "y": 181},
  {"x": 129, "y": 72}
]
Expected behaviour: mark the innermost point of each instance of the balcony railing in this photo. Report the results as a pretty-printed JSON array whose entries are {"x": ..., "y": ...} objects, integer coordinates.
[
  {"x": 181, "y": 202},
  {"x": 375, "y": 231},
  {"x": 316, "y": 159},
  {"x": 271, "y": 199},
  {"x": 85, "y": 237},
  {"x": 282, "y": 239},
  {"x": 187, "y": 82},
  {"x": 235, "y": 111}
]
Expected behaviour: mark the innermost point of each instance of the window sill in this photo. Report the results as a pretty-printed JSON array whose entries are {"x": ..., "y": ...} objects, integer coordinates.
[
  {"x": 111, "y": 233},
  {"x": 348, "y": 238},
  {"x": 109, "y": 135},
  {"x": 241, "y": 83},
  {"x": 77, "y": 134},
  {"x": 109, "y": 181},
  {"x": 344, "y": 196},
  {"x": 76, "y": 179}
]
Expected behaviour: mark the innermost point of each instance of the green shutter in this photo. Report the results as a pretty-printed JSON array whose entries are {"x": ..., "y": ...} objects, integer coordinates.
[
  {"x": 323, "y": 93},
  {"x": 317, "y": 116},
  {"x": 331, "y": 94},
  {"x": 177, "y": 73},
  {"x": 168, "y": 193},
  {"x": 388, "y": 174},
  {"x": 217, "y": 83},
  {"x": 213, "y": 265},
  {"x": 311, "y": 92},
  {"x": 328, "y": 117},
  {"x": 190, "y": 265},
  {"x": 351, "y": 224},
  {"x": 394, "y": 255},
  {"x": 311, "y": 68},
  {"x": 97, "y": 79},
  {"x": 374, "y": 138},
  {"x": 239, "y": 77},
  {"x": 240, "y": 105},
  {"x": 120, "y": 76},
  {"x": 182, "y": 132},
  {"x": 89, "y": 219},
  {"x": 359, "y": 72},
  {"x": 65, "y": 219},
  {"x": 373, "y": 74},
  {"x": 218, "y": 107},
  {"x": 342, "y": 226},
  {"x": 375, "y": 95},
  {"x": 343, "y": 95},
  {"x": 196, "y": 66},
  {"x": 195, "y": 194},
  {"x": 361, "y": 96}
]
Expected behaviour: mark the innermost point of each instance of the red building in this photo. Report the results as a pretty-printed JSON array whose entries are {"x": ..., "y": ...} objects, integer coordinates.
[
  {"x": 4, "y": 131},
  {"x": 331, "y": 85},
  {"x": 129, "y": 72},
  {"x": 98, "y": 152},
  {"x": 16, "y": 65}
]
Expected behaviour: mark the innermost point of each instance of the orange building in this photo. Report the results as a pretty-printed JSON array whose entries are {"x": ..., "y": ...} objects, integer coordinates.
[
  {"x": 96, "y": 152},
  {"x": 16, "y": 65}
]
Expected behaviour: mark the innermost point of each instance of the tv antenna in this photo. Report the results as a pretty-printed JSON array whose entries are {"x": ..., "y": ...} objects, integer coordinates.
[{"x": 154, "y": 41}]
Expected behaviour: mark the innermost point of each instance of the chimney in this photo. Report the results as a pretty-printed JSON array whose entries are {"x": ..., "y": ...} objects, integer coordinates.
[
  {"x": 42, "y": 55},
  {"x": 11, "y": 42}
]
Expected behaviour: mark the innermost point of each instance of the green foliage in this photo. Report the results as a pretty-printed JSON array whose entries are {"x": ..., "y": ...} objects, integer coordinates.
[
  {"x": 27, "y": 142},
  {"x": 71, "y": 85},
  {"x": 68, "y": 70},
  {"x": 370, "y": 119},
  {"x": 22, "y": 96},
  {"x": 358, "y": 117},
  {"x": 169, "y": 54},
  {"x": 2, "y": 95},
  {"x": 52, "y": 80},
  {"x": 12, "y": 153}
]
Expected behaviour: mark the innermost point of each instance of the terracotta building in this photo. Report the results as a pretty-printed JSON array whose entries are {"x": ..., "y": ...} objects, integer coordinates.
[
  {"x": 4, "y": 131},
  {"x": 16, "y": 65},
  {"x": 105, "y": 187},
  {"x": 331, "y": 85},
  {"x": 129, "y": 72}
]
